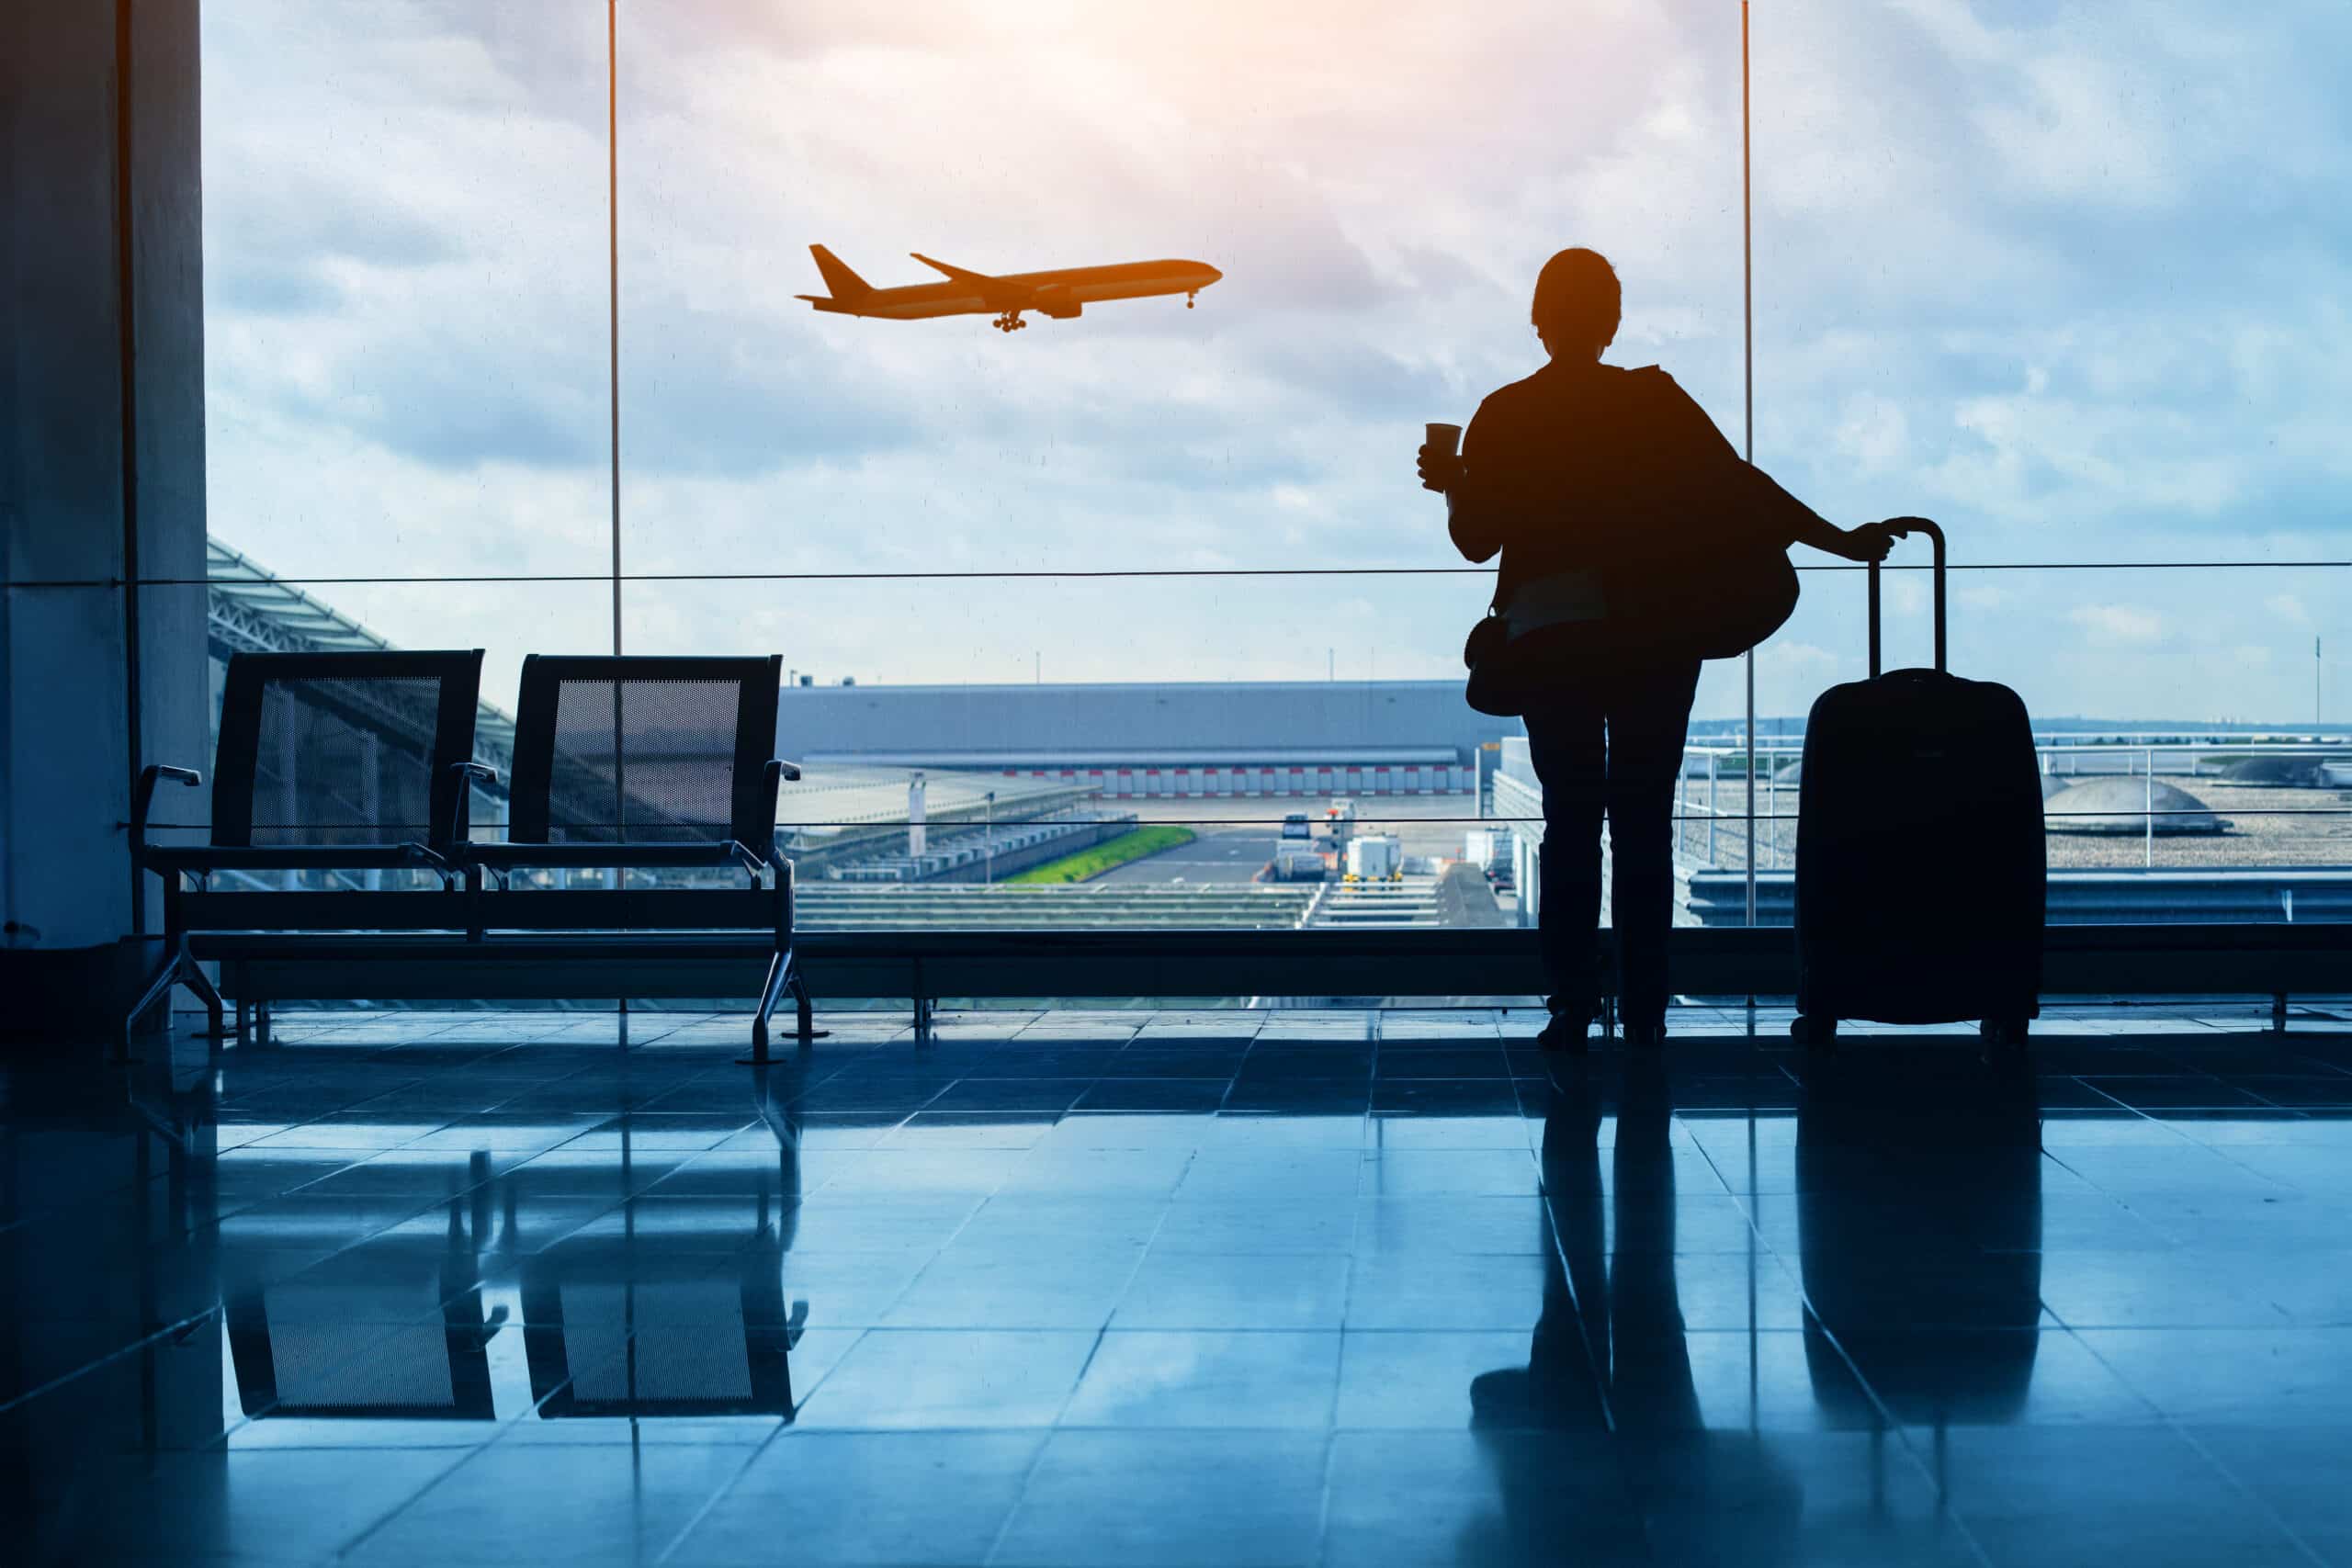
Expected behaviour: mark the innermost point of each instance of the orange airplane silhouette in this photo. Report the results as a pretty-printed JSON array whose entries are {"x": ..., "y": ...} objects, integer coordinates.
[{"x": 1060, "y": 294}]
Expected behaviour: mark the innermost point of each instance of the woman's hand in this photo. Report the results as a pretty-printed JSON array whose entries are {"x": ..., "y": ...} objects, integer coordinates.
[
  {"x": 1441, "y": 469},
  {"x": 1868, "y": 543}
]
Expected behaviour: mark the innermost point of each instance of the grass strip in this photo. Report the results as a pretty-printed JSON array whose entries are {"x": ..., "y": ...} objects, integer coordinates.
[{"x": 1088, "y": 864}]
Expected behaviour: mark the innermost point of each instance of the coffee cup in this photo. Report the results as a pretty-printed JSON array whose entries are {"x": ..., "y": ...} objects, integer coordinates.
[{"x": 1445, "y": 439}]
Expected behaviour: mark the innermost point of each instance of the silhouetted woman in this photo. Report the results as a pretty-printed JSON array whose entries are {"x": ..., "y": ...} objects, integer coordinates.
[{"x": 1596, "y": 485}]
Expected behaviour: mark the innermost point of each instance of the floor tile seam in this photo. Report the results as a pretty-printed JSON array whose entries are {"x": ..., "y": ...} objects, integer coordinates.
[
  {"x": 466, "y": 1190},
  {"x": 1103, "y": 1329},
  {"x": 2182, "y": 1431},
  {"x": 2214, "y": 1149},
  {"x": 1558, "y": 1259},
  {"x": 727, "y": 1487},
  {"x": 351, "y": 1246},
  {"x": 1676, "y": 1122},
  {"x": 1323, "y": 1483},
  {"x": 465, "y": 1457},
  {"x": 180, "y": 1327},
  {"x": 1038, "y": 1456},
  {"x": 1921, "y": 1464},
  {"x": 123, "y": 1198},
  {"x": 359, "y": 1105}
]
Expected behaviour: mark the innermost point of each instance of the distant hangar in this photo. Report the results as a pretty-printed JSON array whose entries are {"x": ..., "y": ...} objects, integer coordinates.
[{"x": 1154, "y": 741}]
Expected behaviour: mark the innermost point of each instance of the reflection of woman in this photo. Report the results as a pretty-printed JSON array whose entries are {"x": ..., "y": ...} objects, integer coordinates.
[
  {"x": 1596, "y": 484},
  {"x": 1610, "y": 1350}
]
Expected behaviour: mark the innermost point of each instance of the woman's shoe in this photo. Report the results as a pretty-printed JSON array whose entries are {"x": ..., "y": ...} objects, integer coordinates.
[{"x": 1647, "y": 1034}]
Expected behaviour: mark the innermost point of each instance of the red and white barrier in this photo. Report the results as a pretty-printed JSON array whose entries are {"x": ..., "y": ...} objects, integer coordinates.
[{"x": 1309, "y": 781}]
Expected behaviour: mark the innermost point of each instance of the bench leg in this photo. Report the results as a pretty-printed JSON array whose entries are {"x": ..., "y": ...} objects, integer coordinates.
[
  {"x": 158, "y": 988},
  {"x": 215, "y": 1010},
  {"x": 804, "y": 1011},
  {"x": 178, "y": 969},
  {"x": 771, "y": 992}
]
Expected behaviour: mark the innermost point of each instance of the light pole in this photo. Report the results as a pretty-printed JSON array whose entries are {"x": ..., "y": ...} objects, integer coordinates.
[{"x": 989, "y": 867}]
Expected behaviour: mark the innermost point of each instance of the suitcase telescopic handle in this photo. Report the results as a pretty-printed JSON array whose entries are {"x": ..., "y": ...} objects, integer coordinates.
[{"x": 1903, "y": 528}]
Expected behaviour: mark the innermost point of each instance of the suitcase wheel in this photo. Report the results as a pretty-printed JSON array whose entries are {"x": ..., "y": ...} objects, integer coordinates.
[
  {"x": 1812, "y": 1028},
  {"x": 2004, "y": 1031}
]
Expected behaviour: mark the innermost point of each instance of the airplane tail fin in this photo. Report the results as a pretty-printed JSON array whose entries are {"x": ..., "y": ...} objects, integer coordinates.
[{"x": 844, "y": 282}]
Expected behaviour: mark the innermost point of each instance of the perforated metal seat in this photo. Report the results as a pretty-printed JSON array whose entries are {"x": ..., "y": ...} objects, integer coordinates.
[
  {"x": 327, "y": 763},
  {"x": 643, "y": 761},
  {"x": 328, "y": 760}
]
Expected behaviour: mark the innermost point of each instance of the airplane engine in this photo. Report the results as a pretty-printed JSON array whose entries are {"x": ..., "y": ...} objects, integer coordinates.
[{"x": 1057, "y": 304}]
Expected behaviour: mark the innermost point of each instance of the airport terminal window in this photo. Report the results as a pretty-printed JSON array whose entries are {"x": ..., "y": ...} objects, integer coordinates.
[
  {"x": 404, "y": 333},
  {"x": 1150, "y": 576}
]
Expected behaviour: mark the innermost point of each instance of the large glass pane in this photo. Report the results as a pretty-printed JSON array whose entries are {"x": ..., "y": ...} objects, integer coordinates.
[
  {"x": 405, "y": 311},
  {"x": 404, "y": 290}
]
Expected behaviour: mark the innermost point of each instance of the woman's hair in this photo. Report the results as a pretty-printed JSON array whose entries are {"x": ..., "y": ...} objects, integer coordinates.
[{"x": 1577, "y": 298}]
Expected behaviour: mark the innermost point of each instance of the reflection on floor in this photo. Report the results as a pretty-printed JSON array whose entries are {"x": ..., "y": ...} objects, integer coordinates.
[{"x": 1216, "y": 1288}]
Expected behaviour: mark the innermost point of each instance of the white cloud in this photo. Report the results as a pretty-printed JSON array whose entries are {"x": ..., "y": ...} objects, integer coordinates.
[
  {"x": 2127, "y": 625},
  {"x": 1874, "y": 433}
]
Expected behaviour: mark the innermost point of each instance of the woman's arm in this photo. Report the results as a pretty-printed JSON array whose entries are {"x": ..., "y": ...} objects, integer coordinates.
[
  {"x": 1806, "y": 527},
  {"x": 1472, "y": 518}
]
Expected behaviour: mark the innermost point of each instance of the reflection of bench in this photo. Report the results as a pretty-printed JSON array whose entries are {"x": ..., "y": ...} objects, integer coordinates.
[
  {"x": 625, "y": 1336},
  {"x": 654, "y": 1323},
  {"x": 339, "y": 775},
  {"x": 406, "y": 1337}
]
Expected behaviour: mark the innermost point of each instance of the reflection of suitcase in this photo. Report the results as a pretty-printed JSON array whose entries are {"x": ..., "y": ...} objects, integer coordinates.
[
  {"x": 1919, "y": 1232},
  {"x": 1919, "y": 848}
]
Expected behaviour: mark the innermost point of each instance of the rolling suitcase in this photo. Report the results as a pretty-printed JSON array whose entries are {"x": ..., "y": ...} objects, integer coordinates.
[{"x": 1920, "y": 861}]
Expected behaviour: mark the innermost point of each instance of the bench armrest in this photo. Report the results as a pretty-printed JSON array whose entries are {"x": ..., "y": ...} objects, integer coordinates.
[
  {"x": 469, "y": 774},
  {"x": 430, "y": 858},
  {"x": 143, "y": 798},
  {"x": 779, "y": 768}
]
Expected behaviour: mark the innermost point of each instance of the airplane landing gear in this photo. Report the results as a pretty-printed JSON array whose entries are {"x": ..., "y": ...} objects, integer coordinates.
[
  {"x": 1010, "y": 322},
  {"x": 1191, "y": 299}
]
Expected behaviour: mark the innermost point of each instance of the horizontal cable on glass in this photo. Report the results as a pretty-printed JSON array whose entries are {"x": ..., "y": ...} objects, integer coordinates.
[
  {"x": 1084, "y": 573},
  {"x": 1727, "y": 812}
]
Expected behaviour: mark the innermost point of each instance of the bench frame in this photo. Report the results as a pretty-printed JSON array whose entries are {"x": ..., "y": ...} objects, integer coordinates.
[{"x": 2273, "y": 961}]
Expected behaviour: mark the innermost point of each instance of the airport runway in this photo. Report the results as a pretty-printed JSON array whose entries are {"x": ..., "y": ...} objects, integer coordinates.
[
  {"x": 1219, "y": 854},
  {"x": 1428, "y": 825}
]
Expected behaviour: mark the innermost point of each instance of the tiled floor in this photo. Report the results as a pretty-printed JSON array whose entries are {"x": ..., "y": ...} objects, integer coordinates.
[{"x": 1220, "y": 1288}]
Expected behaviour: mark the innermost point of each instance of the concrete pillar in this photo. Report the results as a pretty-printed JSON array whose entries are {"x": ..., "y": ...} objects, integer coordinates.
[{"x": 101, "y": 480}]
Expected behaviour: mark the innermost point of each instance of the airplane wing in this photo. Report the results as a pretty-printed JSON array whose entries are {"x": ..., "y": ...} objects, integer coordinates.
[{"x": 960, "y": 274}]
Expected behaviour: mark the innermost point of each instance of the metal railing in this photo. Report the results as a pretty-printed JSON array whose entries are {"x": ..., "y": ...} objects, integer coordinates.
[{"x": 1702, "y": 812}]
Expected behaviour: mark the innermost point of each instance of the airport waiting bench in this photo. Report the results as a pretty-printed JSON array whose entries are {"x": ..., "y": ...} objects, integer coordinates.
[{"x": 356, "y": 770}]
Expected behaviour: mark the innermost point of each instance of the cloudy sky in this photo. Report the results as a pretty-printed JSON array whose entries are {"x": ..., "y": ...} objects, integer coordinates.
[{"x": 2075, "y": 280}]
